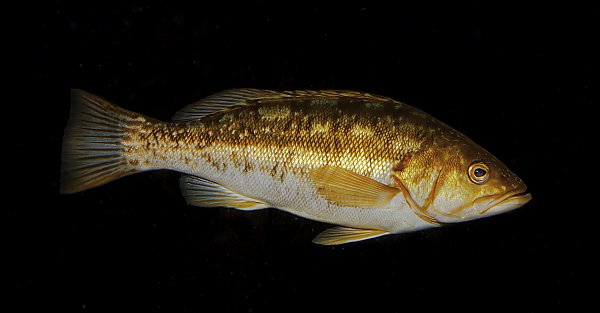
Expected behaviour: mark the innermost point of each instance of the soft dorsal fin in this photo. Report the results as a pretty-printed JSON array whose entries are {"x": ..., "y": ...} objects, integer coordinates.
[
  {"x": 233, "y": 98},
  {"x": 347, "y": 188},
  {"x": 340, "y": 235},
  {"x": 220, "y": 101}
]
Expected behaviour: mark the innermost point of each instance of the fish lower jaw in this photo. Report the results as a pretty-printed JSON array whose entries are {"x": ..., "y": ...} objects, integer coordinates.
[
  {"x": 509, "y": 202},
  {"x": 515, "y": 201}
]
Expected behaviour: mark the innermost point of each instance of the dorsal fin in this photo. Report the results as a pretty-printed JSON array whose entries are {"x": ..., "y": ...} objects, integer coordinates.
[
  {"x": 233, "y": 98},
  {"x": 220, "y": 101}
]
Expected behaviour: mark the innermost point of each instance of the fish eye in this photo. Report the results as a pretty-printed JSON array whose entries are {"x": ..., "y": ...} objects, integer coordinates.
[{"x": 479, "y": 173}]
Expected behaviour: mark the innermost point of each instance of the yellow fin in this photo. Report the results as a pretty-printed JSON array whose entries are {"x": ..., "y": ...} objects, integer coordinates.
[
  {"x": 93, "y": 150},
  {"x": 340, "y": 235},
  {"x": 344, "y": 187},
  {"x": 232, "y": 98},
  {"x": 224, "y": 100},
  {"x": 205, "y": 193}
]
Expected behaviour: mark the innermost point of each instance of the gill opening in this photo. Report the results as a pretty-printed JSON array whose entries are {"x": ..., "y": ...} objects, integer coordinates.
[{"x": 422, "y": 211}]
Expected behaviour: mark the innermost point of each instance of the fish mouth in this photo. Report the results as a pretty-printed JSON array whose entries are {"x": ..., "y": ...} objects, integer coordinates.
[{"x": 511, "y": 200}]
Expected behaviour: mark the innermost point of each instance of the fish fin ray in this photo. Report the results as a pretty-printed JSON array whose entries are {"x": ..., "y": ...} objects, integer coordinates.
[
  {"x": 204, "y": 193},
  {"x": 340, "y": 235},
  {"x": 347, "y": 188},
  {"x": 92, "y": 152},
  {"x": 221, "y": 101},
  {"x": 233, "y": 98}
]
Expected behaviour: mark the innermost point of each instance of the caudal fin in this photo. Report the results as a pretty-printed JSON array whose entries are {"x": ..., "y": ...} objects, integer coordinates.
[{"x": 92, "y": 151}]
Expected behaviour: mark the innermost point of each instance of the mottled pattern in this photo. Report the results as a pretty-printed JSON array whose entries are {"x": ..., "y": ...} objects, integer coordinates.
[
  {"x": 264, "y": 145},
  {"x": 265, "y": 148},
  {"x": 291, "y": 136}
]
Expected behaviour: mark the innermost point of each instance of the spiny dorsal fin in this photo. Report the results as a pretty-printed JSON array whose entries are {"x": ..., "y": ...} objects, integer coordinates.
[
  {"x": 233, "y": 98},
  {"x": 220, "y": 101},
  {"x": 205, "y": 193},
  {"x": 340, "y": 235},
  {"x": 346, "y": 188}
]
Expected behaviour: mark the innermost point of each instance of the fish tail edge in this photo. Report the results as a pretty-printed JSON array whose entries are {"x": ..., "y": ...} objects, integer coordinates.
[{"x": 92, "y": 149}]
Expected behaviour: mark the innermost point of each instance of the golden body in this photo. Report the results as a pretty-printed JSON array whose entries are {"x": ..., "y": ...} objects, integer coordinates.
[{"x": 369, "y": 163}]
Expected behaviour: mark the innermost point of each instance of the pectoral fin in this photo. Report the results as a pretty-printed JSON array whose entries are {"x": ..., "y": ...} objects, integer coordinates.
[
  {"x": 205, "y": 193},
  {"x": 346, "y": 188},
  {"x": 340, "y": 235}
]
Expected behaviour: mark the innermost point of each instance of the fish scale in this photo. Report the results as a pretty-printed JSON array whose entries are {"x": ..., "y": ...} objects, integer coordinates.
[{"x": 368, "y": 163}]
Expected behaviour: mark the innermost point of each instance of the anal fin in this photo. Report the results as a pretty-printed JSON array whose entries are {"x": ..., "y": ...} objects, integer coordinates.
[
  {"x": 339, "y": 235},
  {"x": 205, "y": 193}
]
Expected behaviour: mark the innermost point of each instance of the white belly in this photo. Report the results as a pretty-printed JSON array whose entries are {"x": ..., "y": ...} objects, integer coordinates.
[{"x": 296, "y": 194}]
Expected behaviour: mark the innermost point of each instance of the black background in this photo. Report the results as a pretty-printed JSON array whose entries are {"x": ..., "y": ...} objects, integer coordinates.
[{"x": 518, "y": 79}]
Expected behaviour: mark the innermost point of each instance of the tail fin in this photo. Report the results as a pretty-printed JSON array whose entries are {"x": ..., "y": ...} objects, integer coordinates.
[{"x": 92, "y": 151}]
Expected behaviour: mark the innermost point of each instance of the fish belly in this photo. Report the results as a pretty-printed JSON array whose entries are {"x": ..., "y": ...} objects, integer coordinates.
[{"x": 297, "y": 195}]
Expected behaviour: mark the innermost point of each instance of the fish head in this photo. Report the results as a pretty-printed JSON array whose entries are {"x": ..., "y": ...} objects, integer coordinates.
[{"x": 463, "y": 182}]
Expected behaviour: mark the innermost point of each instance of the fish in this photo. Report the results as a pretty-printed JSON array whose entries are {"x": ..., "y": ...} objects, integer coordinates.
[{"x": 367, "y": 164}]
